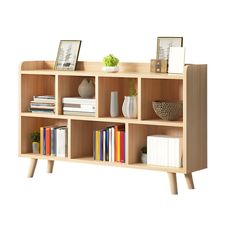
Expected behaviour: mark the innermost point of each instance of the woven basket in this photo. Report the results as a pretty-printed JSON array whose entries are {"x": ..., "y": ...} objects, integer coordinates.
[{"x": 168, "y": 110}]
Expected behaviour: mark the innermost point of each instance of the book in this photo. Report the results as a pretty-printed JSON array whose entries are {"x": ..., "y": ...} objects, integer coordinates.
[
  {"x": 48, "y": 140},
  {"x": 41, "y": 140},
  {"x": 91, "y": 109},
  {"x": 122, "y": 146},
  {"x": 78, "y": 100},
  {"x": 78, "y": 113}
]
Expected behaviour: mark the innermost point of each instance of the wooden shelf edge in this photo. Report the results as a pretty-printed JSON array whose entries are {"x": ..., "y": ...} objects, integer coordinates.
[
  {"x": 106, "y": 119},
  {"x": 89, "y": 160}
]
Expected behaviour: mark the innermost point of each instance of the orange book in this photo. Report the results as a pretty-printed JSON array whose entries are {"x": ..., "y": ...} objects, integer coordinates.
[
  {"x": 48, "y": 141},
  {"x": 118, "y": 146},
  {"x": 116, "y": 142}
]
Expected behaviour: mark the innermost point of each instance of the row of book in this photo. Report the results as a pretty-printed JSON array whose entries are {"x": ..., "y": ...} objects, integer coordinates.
[
  {"x": 53, "y": 141},
  {"x": 44, "y": 104},
  {"x": 109, "y": 144},
  {"x": 164, "y": 150},
  {"x": 79, "y": 106}
]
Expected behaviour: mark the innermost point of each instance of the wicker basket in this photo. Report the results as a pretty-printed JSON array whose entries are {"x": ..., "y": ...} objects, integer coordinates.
[{"x": 168, "y": 110}]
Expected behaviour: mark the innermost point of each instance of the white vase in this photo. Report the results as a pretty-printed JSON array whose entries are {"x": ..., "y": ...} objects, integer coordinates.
[
  {"x": 86, "y": 89},
  {"x": 114, "y": 112},
  {"x": 130, "y": 107}
]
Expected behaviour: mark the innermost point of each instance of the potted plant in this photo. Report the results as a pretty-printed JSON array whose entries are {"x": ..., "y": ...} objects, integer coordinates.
[
  {"x": 144, "y": 154},
  {"x": 110, "y": 63},
  {"x": 35, "y": 138},
  {"x": 130, "y": 106}
]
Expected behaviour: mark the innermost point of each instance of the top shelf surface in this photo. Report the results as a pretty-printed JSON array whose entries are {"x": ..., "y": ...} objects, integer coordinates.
[{"x": 127, "y": 70}]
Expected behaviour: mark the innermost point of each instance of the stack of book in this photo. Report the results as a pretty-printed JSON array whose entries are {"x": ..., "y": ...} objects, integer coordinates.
[
  {"x": 79, "y": 106},
  {"x": 43, "y": 104},
  {"x": 53, "y": 141},
  {"x": 109, "y": 144},
  {"x": 164, "y": 150}
]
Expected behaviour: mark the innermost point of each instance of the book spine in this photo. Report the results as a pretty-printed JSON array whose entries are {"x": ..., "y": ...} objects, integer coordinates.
[
  {"x": 44, "y": 141},
  {"x": 101, "y": 145},
  {"x": 97, "y": 145},
  {"x": 107, "y": 144},
  {"x": 94, "y": 145},
  {"x": 122, "y": 146},
  {"x": 118, "y": 146},
  {"x": 48, "y": 141},
  {"x": 52, "y": 141},
  {"x": 41, "y": 140}
]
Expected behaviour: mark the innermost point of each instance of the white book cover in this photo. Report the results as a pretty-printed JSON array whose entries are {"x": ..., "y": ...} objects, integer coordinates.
[
  {"x": 90, "y": 109},
  {"x": 78, "y": 100},
  {"x": 176, "y": 60}
]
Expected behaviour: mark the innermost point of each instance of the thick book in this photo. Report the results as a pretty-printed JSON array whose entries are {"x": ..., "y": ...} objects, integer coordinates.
[
  {"x": 61, "y": 141},
  {"x": 78, "y": 113},
  {"x": 78, "y": 100}
]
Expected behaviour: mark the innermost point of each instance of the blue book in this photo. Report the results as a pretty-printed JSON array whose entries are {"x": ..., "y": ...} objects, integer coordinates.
[
  {"x": 107, "y": 145},
  {"x": 44, "y": 141},
  {"x": 101, "y": 145}
]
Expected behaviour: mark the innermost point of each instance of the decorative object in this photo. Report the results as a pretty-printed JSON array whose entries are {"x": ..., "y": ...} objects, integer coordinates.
[
  {"x": 67, "y": 54},
  {"x": 176, "y": 60},
  {"x": 168, "y": 110},
  {"x": 114, "y": 104},
  {"x": 158, "y": 66},
  {"x": 110, "y": 63},
  {"x": 144, "y": 154},
  {"x": 130, "y": 106},
  {"x": 35, "y": 138},
  {"x": 86, "y": 88},
  {"x": 164, "y": 44}
]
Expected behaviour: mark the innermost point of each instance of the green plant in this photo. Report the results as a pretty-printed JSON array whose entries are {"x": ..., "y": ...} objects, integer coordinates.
[
  {"x": 35, "y": 136},
  {"x": 110, "y": 60},
  {"x": 132, "y": 89},
  {"x": 144, "y": 149}
]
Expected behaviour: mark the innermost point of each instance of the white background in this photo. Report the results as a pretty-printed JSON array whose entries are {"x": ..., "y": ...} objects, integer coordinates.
[{"x": 81, "y": 199}]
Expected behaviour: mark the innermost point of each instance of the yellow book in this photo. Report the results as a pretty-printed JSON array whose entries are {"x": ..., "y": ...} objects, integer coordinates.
[
  {"x": 118, "y": 146},
  {"x": 97, "y": 145},
  {"x": 41, "y": 140}
]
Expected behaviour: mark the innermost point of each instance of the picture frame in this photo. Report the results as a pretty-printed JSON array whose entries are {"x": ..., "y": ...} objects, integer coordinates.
[
  {"x": 67, "y": 55},
  {"x": 164, "y": 44}
]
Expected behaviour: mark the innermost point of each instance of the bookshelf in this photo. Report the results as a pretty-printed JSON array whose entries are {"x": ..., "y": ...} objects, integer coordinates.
[{"x": 39, "y": 77}]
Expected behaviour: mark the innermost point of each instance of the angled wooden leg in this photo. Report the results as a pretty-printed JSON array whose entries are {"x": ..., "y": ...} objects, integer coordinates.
[
  {"x": 33, "y": 163},
  {"x": 173, "y": 183},
  {"x": 189, "y": 180},
  {"x": 50, "y": 166}
]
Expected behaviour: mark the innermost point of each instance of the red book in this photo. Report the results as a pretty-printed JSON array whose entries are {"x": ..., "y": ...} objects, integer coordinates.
[
  {"x": 48, "y": 141},
  {"x": 122, "y": 146},
  {"x": 116, "y": 142}
]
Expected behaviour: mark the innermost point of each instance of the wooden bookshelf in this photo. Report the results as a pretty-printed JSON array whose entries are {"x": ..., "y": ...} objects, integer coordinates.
[{"x": 39, "y": 77}]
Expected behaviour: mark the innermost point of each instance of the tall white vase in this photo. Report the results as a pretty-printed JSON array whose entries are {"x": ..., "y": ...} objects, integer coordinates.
[
  {"x": 130, "y": 107},
  {"x": 114, "y": 112}
]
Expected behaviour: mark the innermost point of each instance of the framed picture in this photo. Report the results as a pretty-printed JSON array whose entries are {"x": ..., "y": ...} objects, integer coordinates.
[
  {"x": 164, "y": 44},
  {"x": 67, "y": 54}
]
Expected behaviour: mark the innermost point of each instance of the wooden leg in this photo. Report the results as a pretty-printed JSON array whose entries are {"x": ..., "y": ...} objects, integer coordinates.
[
  {"x": 189, "y": 180},
  {"x": 50, "y": 166},
  {"x": 173, "y": 183},
  {"x": 33, "y": 163}
]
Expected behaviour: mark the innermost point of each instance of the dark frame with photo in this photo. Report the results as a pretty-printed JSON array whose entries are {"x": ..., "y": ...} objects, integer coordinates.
[
  {"x": 164, "y": 44},
  {"x": 67, "y": 55}
]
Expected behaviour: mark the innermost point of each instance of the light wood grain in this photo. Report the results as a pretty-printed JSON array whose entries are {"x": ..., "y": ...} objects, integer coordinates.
[
  {"x": 173, "y": 183},
  {"x": 189, "y": 180},
  {"x": 50, "y": 166},
  {"x": 33, "y": 163}
]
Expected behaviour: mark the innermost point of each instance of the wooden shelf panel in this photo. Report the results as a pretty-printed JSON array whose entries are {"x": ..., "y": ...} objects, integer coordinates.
[
  {"x": 105, "y": 74},
  {"x": 89, "y": 160},
  {"x": 124, "y": 120}
]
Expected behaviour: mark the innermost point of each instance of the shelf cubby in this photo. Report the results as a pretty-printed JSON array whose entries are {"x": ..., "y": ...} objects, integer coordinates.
[
  {"x": 138, "y": 138},
  {"x": 68, "y": 87},
  {"x": 35, "y": 85},
  {"x": 31, "y": 124},
  {"x": 108, "y": 84},
  {"x": 158, "y": 89},
  {"x": 82, "y": 137}
]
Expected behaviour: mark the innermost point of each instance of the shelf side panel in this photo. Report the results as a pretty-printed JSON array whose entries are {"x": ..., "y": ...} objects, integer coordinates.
[{"x": 195, "y": 117}]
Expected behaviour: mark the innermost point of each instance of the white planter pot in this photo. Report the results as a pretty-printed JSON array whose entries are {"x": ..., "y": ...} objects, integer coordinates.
[{"x": 110, "y": 69}]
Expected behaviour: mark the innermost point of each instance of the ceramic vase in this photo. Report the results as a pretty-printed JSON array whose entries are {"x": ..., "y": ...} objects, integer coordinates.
[
  {"x": 114, "y": 112},
  {"x": 86, "y": 89},
  {"x": 35, "y": 147},
  {"x": 130, "y": 107}
]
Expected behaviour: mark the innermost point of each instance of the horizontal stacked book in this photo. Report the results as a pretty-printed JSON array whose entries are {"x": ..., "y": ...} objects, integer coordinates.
[
  {"x": 53, "y": 141},
  {"x": 109, "y": 144},
  {"x": 79, "y": 106},
  {"x": 163, "y": 150},
  {"x": 43, "y": 104}
]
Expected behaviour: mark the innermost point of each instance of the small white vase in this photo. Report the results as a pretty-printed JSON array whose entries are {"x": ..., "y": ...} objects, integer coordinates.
[
  {"x": 114, "y": 112},
  {"x": 130, "y": 107},
  {"x": 86, "y": 89},
  {"x": 110, "y": 69}
]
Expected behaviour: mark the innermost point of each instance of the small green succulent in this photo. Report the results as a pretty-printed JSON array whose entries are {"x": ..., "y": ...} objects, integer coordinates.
[
  {"x": 110, "y": 60},
  {"x": 35, "y": 136}
]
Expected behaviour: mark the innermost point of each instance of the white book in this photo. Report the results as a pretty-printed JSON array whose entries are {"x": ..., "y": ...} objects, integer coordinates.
[
  {"x": 90, "y": 109},
  {"x": 61, "y": 142},
  {"x": 78, "y": 100}
]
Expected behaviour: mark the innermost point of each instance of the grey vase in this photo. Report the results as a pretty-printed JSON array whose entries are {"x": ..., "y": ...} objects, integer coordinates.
[
  {"x": 114, "y": 111},
  {"x": 86, "y": 89}
]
